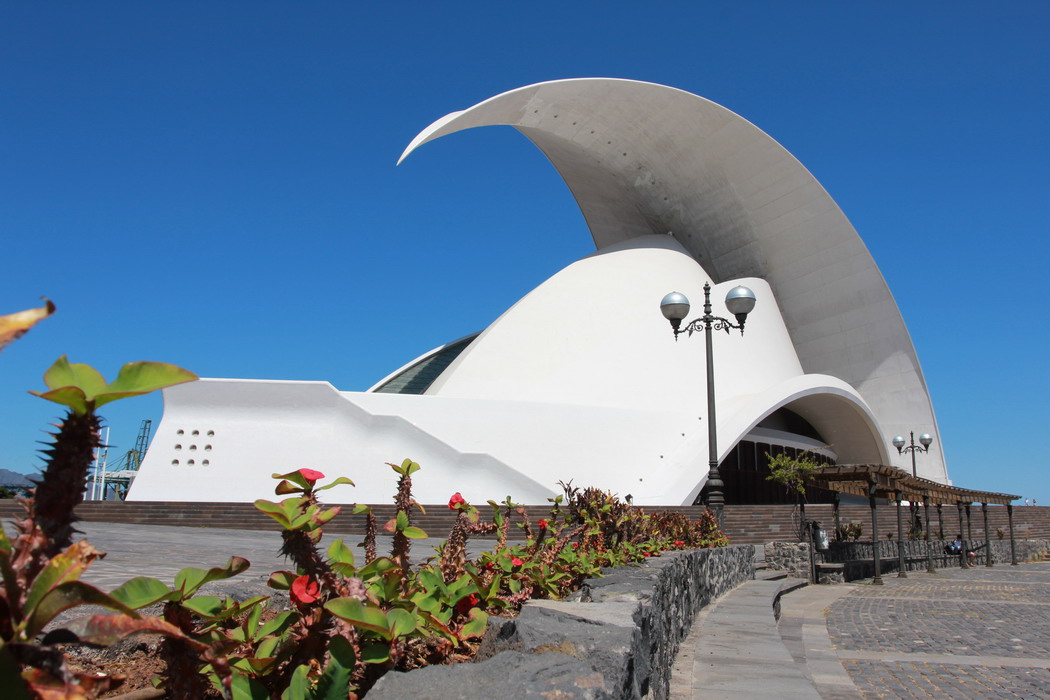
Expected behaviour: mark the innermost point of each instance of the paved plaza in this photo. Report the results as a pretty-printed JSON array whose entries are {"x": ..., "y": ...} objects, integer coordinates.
[
  {"x": 161, "y": 551},
  {"x": 979, "y": 633},
  {"x": 974, "y": 633}
]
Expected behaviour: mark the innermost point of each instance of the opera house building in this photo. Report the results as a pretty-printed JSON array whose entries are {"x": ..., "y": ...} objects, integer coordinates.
[{"x": 582, "y": 378}]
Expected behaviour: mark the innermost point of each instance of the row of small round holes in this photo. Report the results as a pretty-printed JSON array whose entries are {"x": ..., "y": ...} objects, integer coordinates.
[{"x": 191, "y": 462}]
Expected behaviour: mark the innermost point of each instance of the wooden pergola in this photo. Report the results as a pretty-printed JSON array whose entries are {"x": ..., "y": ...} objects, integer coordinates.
[{"x": 875, "y": 481}]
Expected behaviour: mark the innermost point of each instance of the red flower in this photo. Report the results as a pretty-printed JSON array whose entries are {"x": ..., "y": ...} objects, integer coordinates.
[
  {"x": 516, "y": 562},
  {"x": 488, "y": 566},
  {"x": 679, "y": 543},
  {"x": 311, "y": 475},
  {"x": 456, "y": 501},
  {"x": 575, "y": 545},
  {"x": 647, "y": 554},
  {"x": 305, "y": 590},
  {"x": 543, "y": 523},
  {"x": 465, "y": 604}
]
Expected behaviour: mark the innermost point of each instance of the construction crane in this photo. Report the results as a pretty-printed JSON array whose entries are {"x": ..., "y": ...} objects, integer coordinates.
[{"x": 115, "y": 479}]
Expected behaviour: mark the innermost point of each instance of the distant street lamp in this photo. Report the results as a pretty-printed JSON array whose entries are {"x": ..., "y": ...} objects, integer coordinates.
[
  {"x": 925, "y": 441},
  {"x": 675, "y": 307}
]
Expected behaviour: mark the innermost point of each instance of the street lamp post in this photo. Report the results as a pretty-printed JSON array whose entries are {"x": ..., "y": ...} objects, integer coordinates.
[
  {"x": 675, "y": 307},
  {"x": 925, "y": 441}
]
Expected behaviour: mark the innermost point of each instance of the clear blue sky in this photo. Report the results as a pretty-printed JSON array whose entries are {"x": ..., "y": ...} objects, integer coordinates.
[{"x": 213, "y": 184}]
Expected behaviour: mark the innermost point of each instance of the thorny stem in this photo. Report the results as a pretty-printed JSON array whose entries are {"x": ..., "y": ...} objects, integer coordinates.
[{"x": 47, "y": 527}]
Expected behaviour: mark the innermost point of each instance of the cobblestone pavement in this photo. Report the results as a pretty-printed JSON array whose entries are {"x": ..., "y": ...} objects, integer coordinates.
[{"x": 974, "y": 633}]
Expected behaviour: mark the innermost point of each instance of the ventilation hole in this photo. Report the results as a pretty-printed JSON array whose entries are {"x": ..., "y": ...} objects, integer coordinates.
[
  {"x": 555, "y": 116},
  {"x": 574, "y": 123},
  {"x": 191, "y": 463},
  {"x": 207, "y": 448},
  {"x": 625, "y": 154},
  {"x": 205, "y": 463},
  {"x": 195, "y": 432},
  {"x": 211, "y": 433},
  {"x": 180, "y": 431},
  {"x": 193, "y": 447},
  {"x": 178, "y": 447},
  {"x": 174, "y": 462}
]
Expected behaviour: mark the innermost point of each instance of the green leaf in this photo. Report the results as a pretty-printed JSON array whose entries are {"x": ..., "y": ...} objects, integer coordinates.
[
  {"x": 414, "y": 533},
  {"x": 287, "y": 487},
  {"x": 204, "y": 605},
  {"x": 251, "y": 623},
  {"x": 137, "y": 378},
  {"x": 360, "y": 508},
  {"x": 141, "y": 592},
  {"x": 353, "y": 611},
  {"x": 275, "y": 511},
  {"x": 69, "y": 396},
  {"x": 294, "y": 477},
  {"x": 189, "y": 580},
  {"x": 476, "y": 626},
  {"x": 11, "y": 678},
  {"x": 299, "y": 688},
  {"x": 402, "y": 622},
  {"x": 68, "y": 595},
  {"x": 409, "y": 467},
  {"x": 104, "y": 629},
  {"x": 325, "y": 515},
  {"x": 375, "y": 652},
  {"x": 341, "y": 557},
  {"x": 278, "y": 624},
  {"x": 402, "y": 520},
  {"x": 247, "y": 688},
  {"x": 63, "y": 567},
  {"x": 377, "y": 566},
  {"x": 85, "y": 377},
  {"x": 266, "y": 648},
  {"x": 281, "y": 580},
  {"x": 335, "y": 680},
  {"x": 341, "y": 480}
]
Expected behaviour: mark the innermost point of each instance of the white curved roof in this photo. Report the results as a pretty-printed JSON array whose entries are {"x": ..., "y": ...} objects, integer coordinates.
[{"x": 645, "y": 159}]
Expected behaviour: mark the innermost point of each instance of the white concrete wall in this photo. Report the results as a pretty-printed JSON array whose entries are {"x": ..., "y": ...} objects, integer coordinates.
[
  {"x": 605, "y": 398},
  {"x": 645, "y": 159}
]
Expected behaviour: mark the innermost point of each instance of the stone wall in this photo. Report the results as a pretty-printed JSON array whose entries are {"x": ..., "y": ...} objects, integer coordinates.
[
  {"x": 857, "y": 558},
  {"x": 617, "y": 637},
  {"x": 792, "y": 557}
]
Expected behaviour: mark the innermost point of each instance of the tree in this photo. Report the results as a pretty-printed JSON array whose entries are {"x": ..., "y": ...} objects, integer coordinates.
[{"x": 793, "y": 473}]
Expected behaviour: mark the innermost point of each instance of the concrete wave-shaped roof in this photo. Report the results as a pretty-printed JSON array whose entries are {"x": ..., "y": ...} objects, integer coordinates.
[{"x": 643, "y": 159}]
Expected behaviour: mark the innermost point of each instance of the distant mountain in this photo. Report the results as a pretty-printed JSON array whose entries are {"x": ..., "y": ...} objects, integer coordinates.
[{"x": 12, "y": 479}]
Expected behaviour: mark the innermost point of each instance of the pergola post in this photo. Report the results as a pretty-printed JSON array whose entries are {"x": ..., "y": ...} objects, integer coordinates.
[
  {"x": 900, "y": 539},
  {"x": 803, "y": 529},
  {"x": 940, "y": 522},
  {"x": 969, "y": 525},
  {"x": 877, "y": 581},
  {"x": 1013, "y": 545},
  {"x": 988, "y": 558},
  {"x": 929, "y": 546},
  {"x": 962, "y": 530},
  {"x": 835, "y": 511}
]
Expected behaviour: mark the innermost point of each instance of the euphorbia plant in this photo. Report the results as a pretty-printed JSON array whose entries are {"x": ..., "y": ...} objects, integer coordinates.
[{"x": 42, "y": 565}]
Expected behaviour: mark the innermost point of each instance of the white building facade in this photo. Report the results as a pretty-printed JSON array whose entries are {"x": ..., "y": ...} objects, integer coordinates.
[{"x": 677, "y": 192}]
